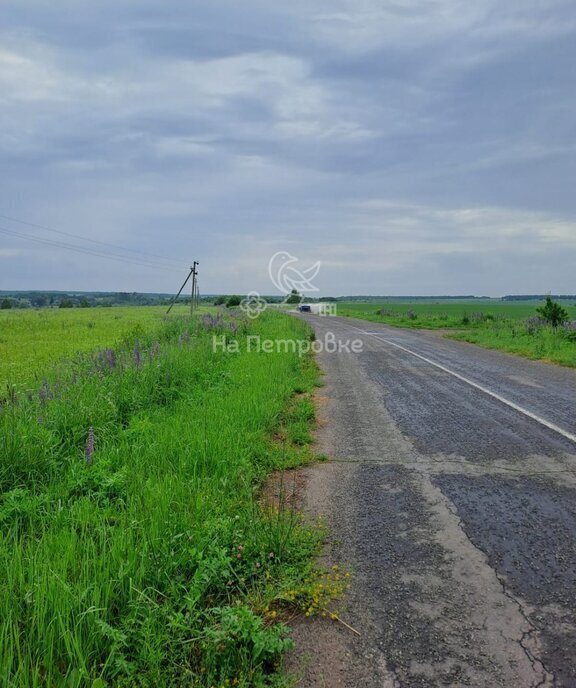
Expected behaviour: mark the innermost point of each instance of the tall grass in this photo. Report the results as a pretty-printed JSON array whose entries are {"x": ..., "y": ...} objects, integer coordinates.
[
  {"x": 132, "y": 547},
  {"x": 556, "y": 345},
  {"x": 499, "y": 325},
  {"x": 31, "y": 340}
]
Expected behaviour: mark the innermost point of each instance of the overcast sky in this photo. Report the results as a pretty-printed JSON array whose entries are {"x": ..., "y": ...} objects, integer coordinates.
[{"x": 412, "y": 146}]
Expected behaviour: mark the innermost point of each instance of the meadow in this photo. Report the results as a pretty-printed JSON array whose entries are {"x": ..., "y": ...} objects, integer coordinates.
[
  {"x": 510, "y": 326},
  {"x": 134, "y": 546},
  {"x": 32, "y": 340}
]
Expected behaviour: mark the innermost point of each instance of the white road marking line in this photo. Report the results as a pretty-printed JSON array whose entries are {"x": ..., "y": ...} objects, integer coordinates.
[{"x": 511, "y": 404}]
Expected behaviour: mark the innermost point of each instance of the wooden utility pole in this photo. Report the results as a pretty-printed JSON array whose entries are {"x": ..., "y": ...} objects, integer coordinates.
[
  {"x": 178, "y": 294},
  {"x": 193, "y": 302}
]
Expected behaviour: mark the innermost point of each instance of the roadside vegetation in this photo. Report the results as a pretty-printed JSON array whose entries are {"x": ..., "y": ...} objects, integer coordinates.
[
  {"x": 33, "y": 340},
  {"x": 134, "y": 547},
  {"x": 539, "y": 330}
]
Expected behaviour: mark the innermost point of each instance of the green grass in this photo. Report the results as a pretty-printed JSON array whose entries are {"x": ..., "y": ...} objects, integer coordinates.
[
  {"x": 546, "y": 344},
  {"x": 492, "y": 324},
  {"x": 150, "y": 561},
  {"x": 440, "y": 315},
  {"x": 30, "y": 340}
]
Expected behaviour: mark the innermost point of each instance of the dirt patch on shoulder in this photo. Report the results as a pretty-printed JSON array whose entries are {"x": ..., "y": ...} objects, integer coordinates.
[
  {"x": 284, "y": 490},
  {"x": 321, "y": 657}
]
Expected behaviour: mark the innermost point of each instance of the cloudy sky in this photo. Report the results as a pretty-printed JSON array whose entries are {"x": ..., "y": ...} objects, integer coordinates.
[{"x": 412, "y": 146}]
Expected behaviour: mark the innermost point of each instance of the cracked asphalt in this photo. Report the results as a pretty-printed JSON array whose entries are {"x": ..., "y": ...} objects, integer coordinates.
[{"x": 455, "y": 512}]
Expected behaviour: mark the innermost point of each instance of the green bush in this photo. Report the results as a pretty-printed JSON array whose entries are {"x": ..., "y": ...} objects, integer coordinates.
[
  {"x": 552, "y": 312},
  {"x": 233, "y": 301}
]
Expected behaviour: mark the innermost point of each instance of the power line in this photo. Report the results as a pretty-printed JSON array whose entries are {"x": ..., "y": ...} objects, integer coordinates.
[
  {"x": 92, "y": 241},
  {"x": 86, "y": 251}
]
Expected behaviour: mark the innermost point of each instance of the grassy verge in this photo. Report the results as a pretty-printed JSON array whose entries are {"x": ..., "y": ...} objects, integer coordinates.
[
  {"x": 506, "y": 327},
  {"x": 133, "y": 549},
  {"x": 413, "y": 316},
  {"x": 547, "y": 344}
]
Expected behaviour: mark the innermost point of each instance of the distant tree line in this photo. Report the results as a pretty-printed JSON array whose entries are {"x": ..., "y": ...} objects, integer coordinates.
[
  {"x": 539, "y": 297},
  {"x": 402, "y": 299},
  {"x": 51, "y": 299},
  {"x": 54, "y": 299}
]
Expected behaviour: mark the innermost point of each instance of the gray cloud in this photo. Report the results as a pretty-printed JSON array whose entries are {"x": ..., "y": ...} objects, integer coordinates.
[{"x": 414, "y": 147}]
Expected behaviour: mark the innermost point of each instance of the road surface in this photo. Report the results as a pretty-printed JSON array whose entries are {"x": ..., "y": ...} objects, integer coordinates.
[{"x": 451, "y": 494}]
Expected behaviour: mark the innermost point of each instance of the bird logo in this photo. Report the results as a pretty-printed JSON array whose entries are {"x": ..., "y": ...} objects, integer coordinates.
[{"x": 285, "y": 277}]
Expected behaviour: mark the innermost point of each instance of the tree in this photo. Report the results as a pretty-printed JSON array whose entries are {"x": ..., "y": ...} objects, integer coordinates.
[
  {"x": 294, "y": 297},
  {"x": 552, "y": 312},
  {"x": 233, "y": 301},
  {"x": 39, "y": 300},
  {"x": 220, "y": 300},
  {"x": 6, "y": 304},
  {"x": 66, "y": 303}
]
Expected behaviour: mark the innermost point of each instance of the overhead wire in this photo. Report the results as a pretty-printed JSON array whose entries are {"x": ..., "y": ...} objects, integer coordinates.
[
  {"x": 87, "y": 251},
  {"x": 155, "y": 257}
]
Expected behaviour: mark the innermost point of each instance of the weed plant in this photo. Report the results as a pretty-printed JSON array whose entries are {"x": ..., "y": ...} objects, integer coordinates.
[{"x": 133, "y": 549}]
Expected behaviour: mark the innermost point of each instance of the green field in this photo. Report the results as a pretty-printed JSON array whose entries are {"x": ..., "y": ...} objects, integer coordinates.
[
  {"x": 32, "y": 339},
  {"x": 490, "y": 323},
  {"x": 434, "y": 315},
  {"x": 134, "y": 550}
]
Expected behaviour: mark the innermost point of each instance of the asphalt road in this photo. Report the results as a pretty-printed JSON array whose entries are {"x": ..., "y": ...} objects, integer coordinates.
[{"x": 451, "y": 494}]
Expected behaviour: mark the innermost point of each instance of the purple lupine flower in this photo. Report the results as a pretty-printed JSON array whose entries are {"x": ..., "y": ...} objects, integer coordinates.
[
  {"x": 534, "y": 324},
  {"x": 136, "y": 355},
  {"x": 110, "y": 358},
  {"x": 233, "y": 327},
  {"x": 184, "y": 338},
  {"x": 43, "y": 392},
  {"x": 104, "y": 359},
  {"x": 89, "y": 445},
  {"x": 155, "y": 350},
  {"x": 212, "y": 322}
]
